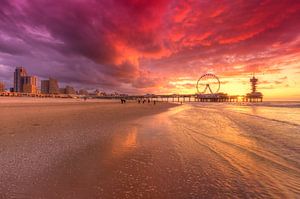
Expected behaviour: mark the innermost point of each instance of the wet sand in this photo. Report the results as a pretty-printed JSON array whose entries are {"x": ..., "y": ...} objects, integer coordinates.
[{"x": 110, "y": 150}]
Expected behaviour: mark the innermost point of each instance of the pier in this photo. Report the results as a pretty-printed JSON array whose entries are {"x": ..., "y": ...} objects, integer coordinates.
[
  {"x": 208, "y": 87},
  {"x": 158, "y": 98},
  {"x": 181, "y": 98}
]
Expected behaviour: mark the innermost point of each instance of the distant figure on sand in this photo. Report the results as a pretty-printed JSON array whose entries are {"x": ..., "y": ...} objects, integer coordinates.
[
  {"x": 148, "y": 101},
  {"x": 123, "y": 101},
  {"x": 154, "y": 102},
  {"x": 139, "y": 101}
]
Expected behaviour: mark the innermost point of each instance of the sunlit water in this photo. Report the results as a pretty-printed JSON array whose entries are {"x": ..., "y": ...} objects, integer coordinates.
[
  {"x": 213, "y": 151},
  {"x": 241, "y": 150},
  {"x": 280, "y": 111}
]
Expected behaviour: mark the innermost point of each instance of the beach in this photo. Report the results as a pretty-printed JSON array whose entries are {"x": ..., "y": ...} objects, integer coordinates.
[{"x": 76, "y": 149}]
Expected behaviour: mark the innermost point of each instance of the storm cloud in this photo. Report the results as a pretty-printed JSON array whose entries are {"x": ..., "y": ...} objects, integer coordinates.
[{"x": 139, "y": 45}]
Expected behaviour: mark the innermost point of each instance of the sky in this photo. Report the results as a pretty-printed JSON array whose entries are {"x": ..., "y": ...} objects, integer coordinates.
[{"x": 161, "y": 46}]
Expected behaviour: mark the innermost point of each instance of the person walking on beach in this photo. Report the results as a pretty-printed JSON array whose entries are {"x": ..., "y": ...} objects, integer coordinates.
[{"x": 123, "y": 101}]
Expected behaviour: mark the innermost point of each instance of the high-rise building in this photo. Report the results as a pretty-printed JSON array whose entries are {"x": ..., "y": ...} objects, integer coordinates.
[
  {"x": 19, "y": 73},
  {"x": 2, "y": 87},
  {"x": 49, "y": 86},
  {"x": 29, "y": 84}
]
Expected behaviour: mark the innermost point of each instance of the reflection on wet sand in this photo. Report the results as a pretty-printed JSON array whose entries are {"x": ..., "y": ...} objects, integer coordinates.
[
  {"x": 189, "y": 151},
  {"x": 210, "y": 153},
  {"x": 257, "y": 157},
  {"x": 125, "y": 141}
]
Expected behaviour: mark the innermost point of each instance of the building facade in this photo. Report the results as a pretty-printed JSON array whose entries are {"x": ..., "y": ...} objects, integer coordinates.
[
  {"x": 49, "y": 86},
  {"x": 45, "y": 86},
  {"x": 68, "y": 90},
  {"x": 2, "y": 87},
  {"x": 24, "y": 83},
  {"x": 29, "y": 84},
  {"x": 19, "y": 73}
]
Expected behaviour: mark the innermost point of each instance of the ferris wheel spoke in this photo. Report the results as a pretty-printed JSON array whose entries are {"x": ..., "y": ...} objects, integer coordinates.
[
  {"x": 205, "y": 89},
  {"x": 210, "y": 89}
]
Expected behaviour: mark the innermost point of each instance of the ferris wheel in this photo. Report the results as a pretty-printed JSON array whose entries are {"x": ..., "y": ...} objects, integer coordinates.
[{"x": 208, "y": 83}]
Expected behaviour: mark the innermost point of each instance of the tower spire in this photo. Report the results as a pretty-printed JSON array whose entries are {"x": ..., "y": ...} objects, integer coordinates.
[{"x": 253, "y": 81}]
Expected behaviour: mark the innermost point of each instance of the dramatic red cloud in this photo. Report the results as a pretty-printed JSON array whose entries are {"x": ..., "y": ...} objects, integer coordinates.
[{"x": 143, "y": 46}]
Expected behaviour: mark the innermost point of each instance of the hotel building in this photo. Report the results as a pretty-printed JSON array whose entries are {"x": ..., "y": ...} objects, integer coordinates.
[
  {"x": 19, "y": 73},
  {"x": 24, "y": 83}
]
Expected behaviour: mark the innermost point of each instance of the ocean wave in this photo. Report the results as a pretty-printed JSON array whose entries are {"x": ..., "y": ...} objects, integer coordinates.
[
  {"x": 271, "y": 119},
  {"x": 291, "y": 104}
]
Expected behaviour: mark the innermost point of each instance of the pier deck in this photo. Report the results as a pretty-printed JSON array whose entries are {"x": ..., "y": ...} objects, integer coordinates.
[{"x": 167, "y": 98}]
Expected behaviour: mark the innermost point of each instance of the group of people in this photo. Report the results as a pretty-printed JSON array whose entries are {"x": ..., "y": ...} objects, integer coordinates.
[
  {"x": 144, "y": 101},
  {"x": 123, "y": 101}
]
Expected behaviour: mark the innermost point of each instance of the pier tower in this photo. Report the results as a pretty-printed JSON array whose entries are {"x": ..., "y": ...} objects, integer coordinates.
[
  {"x": 253, "y": 81},
  {"x": 254, "y": 96}
]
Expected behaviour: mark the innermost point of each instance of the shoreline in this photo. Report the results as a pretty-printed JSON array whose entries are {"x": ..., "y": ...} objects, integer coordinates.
[{"x": 50, "y": 100}]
